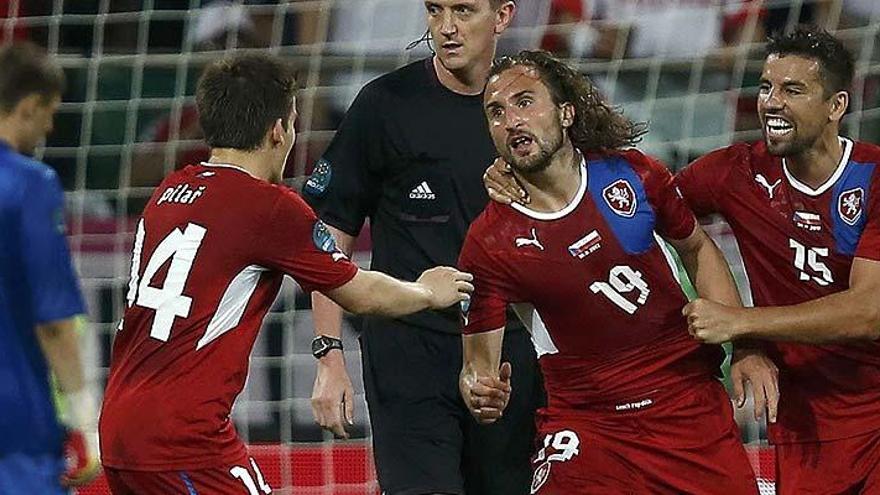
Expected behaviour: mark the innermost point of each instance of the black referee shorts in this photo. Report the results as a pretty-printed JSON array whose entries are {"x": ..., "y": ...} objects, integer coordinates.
[{"x": 424, "y": 439}]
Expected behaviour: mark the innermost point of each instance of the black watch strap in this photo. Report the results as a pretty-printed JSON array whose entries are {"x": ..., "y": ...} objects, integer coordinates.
[{"x": 322, "y": 344}]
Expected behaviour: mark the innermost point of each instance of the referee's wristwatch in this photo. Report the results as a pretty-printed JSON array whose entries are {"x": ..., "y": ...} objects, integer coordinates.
[{"x": 323, "y": 344}]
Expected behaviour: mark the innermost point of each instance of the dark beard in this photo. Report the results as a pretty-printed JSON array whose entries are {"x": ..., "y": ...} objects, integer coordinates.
[
  {"x": 540, "y": 162},
  {"x": 792, "y": 148}
]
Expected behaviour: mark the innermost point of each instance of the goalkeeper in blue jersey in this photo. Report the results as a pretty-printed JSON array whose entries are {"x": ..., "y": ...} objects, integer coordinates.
[{"x": 39, "y": 296}]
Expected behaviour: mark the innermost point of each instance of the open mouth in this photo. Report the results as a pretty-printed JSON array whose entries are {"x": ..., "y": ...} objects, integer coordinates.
[
  {"x": 451, "y": 46},
  {"x": 521, "y": 144},
  {"x": 777, "y": 127}
]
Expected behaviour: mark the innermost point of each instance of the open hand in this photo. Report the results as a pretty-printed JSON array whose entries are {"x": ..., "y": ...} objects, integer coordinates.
[{"x": 447, "y": 286}]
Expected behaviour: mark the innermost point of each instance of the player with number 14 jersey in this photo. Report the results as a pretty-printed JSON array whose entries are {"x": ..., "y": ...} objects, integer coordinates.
[{"x": 210, "y": 253}]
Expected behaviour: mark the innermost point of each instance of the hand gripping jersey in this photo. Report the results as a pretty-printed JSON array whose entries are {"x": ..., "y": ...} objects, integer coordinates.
[
  {"x": 210, "y": 252},
  {"x": 607, "y": 323},
  {"x": 797, "y": 244}
]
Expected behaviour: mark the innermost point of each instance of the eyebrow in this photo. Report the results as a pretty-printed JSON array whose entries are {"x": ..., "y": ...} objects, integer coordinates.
[
  {"x": 522, "y": 93},
  {"x": 516, "y": 96},
  {"x": 788, "y": 83}
]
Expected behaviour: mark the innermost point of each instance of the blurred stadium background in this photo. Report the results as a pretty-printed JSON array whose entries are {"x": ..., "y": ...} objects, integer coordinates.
[{"x": 688, "y": 67}]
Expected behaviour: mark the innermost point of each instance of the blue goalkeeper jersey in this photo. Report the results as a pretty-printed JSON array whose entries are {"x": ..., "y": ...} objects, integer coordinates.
[{"x": 37, "y": 285}]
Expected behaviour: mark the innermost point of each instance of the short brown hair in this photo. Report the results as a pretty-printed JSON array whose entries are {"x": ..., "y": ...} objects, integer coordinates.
[
  {"x": 240, "y": 97},
  {"x": 25, "y": 69}
]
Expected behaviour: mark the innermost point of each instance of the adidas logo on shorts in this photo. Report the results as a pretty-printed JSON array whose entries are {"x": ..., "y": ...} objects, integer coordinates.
[{"x": 422, "y": 191}]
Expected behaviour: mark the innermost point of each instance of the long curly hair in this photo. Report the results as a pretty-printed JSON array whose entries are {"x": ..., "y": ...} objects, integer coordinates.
[{"x": 597, "y": 125}]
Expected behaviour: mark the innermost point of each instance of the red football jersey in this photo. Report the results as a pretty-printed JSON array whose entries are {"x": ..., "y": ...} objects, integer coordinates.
[
  {"x": 210, "y": 253},
  {"x": 607, "y": 323},
  {"x": 797, "y": 244}
]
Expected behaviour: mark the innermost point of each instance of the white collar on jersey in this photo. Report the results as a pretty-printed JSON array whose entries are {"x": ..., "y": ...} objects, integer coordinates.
[
  {"x": 227, "y": 165},
  {"x": 555, "y": 215},
  {"x": 809, "y": 191}
]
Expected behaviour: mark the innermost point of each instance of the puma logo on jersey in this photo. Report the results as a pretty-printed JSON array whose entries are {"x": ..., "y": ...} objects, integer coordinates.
[
  {"x": 760, "y": 179},
  {"x": 533, "y": 241},
  {"x": 181, "y": 194}
]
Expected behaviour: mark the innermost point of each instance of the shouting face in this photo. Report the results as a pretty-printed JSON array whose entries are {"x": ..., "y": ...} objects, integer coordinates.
[{"x": 526, "y": 125}]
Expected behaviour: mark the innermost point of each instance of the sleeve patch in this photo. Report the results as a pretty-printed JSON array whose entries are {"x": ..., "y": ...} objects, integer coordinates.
[{"x": 320, "y": 178}]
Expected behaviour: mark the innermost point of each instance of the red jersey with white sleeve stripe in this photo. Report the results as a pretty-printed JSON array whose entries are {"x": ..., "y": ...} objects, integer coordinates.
[
  {"x": 607, "y": 323},
  {"x": 798, "y": 244},
  {"x": 210, "y": 253}
]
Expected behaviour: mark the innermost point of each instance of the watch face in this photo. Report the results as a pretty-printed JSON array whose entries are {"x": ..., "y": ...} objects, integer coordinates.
[{"x": 320, "y": 346}]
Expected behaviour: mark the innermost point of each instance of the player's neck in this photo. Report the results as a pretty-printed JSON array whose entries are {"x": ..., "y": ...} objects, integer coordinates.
[
  {"x": 555, "y": 187},
  {"x": 814, "y": 166},
  {"x": 468, "y": 81},
  {"x": 256, "y": 163}
]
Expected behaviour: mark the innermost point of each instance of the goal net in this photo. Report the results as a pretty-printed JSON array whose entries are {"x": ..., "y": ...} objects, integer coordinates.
[{"x": 688, "y": 67}]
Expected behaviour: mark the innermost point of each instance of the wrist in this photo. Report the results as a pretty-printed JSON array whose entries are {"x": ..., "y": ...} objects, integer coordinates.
[
  {"x": 743, "y": 325},
  {"x": 323, "y": 344},
  {"x": 333, "y": 358},
  {"x": 81, "y": 411},
  {"x": 427, "y": 295}
]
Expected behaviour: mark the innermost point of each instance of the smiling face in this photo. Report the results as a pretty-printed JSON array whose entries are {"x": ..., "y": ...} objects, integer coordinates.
[
  {"x": 464, "y": 31},
  {"x": 793, "y": 104},
  {"x": 526, "y": 125}
]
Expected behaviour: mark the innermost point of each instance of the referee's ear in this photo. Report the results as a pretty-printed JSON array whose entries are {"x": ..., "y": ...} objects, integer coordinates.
[{"x": 503, "y": 14}]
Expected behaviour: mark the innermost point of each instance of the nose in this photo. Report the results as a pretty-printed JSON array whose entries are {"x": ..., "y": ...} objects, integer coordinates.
[
  {"x": 773, "y": 100},
  {"x": 447, "y": 24},
  {"x": 513, "y": 120}
]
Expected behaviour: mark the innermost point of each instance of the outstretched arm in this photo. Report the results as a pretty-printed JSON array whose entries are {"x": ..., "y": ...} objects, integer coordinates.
[
  {"x": 852, "y": 314},
  {"x": 371, "y": 292}
]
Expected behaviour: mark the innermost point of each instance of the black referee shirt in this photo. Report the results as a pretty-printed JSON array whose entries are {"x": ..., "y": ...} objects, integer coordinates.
[{"x": 410, "y": 155}]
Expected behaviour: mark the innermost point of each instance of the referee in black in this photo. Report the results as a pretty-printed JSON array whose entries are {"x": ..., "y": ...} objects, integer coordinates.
[{"x": 410, "y": 155}]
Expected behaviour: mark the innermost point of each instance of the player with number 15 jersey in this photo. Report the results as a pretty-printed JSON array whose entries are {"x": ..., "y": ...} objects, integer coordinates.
[{"x": 798, "y": 243}]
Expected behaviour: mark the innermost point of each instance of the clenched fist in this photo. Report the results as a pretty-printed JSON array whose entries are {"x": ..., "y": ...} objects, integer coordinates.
[{"x": 712, "y": 322}]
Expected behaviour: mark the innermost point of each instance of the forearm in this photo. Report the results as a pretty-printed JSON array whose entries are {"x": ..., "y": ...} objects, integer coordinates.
[
  {"x": 390, "y": 297},
  {"x": 326, "y": 314},
  {"x": 481, "y": 353},
  {"x": 708, "y": 270},
  {"x": 60, "y": 345},
  {"x": 843, "y": 316}
]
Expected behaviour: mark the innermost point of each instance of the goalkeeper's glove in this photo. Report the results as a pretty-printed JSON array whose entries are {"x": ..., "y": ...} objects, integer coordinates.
[{"x": 81, "y": 444}]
